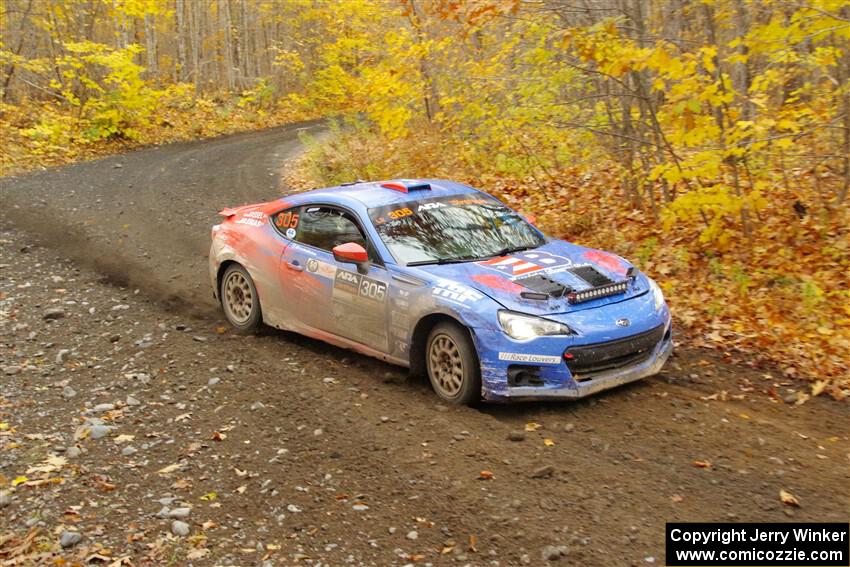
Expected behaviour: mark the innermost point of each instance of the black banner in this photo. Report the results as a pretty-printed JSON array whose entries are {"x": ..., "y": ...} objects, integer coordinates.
[{"x": 758, "y": 544}]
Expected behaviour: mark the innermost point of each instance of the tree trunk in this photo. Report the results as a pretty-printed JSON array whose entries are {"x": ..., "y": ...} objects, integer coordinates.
[
  {"x": 195, "y": 29},
  {"x": 741, "y": 70},
  {"x": 150, "y": 45},
  {"x": 430, "y": 98},
  {"x": 22, "y": 26},
  {"x": 844, "y": 79},
  {"x": 226, "y": 23},
  {"x": 122, "y": 35},
  {"x": 180, "y": 19}
]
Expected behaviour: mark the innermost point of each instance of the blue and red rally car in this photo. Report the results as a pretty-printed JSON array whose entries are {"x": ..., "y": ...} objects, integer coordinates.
[{"x": 446, "y": 280}]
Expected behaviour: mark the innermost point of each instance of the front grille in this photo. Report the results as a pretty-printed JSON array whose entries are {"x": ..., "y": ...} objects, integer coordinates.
[{"x": 588, "y": 360}]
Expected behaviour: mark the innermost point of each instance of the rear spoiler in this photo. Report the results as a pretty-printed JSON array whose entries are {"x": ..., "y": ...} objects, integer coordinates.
[
  {"x": 265, "y": 208},
  {"x": 228, "y": 212}
]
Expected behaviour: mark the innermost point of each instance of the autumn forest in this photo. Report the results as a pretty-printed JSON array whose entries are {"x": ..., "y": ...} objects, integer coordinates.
[{"x": 706, "y": 140}]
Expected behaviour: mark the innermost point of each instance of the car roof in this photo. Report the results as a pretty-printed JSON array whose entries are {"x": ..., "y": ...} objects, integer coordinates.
[{"x": 372, "y": 194}]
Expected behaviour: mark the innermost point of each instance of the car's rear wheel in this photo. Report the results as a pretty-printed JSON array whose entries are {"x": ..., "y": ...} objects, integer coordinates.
[
  {"x": 239, "y": 299},
  {"x": 452, "y": 364}
]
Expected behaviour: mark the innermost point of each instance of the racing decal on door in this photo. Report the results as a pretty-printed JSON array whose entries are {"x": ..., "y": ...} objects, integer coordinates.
[
  {"x": 358, "y": 308},
  {"x": 320, "y": 268},
  {"x": 355, "y": 287},
  {"x": 526, "y": 263}
]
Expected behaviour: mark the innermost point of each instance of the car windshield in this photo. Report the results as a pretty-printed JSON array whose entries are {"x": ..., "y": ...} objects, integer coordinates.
[{"x": 454, "y": 228}]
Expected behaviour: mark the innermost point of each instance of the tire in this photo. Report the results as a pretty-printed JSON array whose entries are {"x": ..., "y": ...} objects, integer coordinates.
[
  {"x": 452, "y": 364},
  {"x": 239, "y": 299}
]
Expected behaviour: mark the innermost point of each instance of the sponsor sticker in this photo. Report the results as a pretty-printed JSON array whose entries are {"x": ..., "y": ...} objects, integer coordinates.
[
  {"x": 400, "y": 319},
  {"x": 535, "y": 358},
  {"x": 320, "y": 268},
  {"x": 290, "y": 233},
  {"x": 527, "y": 263},
  {"x": 286, "y": 219},
  {"x": 455, "y": 292},
  {"x": 250, "y": 221},
  {"x": 430, "y": 206},
  {"x": 351, "y": 285},
  {"x": 346, "y": 281}
]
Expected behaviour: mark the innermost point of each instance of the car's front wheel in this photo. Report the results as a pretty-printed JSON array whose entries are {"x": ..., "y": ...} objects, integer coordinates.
[
  {"x": 452, "y": 364},
  {"x": 239, "y": 299}
]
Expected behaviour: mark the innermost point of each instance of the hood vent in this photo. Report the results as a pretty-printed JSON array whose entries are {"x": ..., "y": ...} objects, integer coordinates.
[{"x": 591, "y": 275}]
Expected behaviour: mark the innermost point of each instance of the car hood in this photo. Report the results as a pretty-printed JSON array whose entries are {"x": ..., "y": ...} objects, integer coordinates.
[{"x": 575, "y": 268}]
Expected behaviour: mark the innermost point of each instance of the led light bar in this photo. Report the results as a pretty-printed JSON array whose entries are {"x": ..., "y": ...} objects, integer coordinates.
[{"x": 597, "y": 292}]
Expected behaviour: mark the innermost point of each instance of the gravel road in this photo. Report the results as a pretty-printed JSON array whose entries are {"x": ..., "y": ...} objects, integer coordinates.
[{"x": 135, "y": 426}]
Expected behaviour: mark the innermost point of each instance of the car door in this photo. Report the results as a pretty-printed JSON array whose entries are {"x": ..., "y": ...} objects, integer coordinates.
[{"x": 336, "y": 297}]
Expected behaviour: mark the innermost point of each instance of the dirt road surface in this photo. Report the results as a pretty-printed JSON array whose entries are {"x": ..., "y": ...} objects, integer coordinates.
[{"x": 134, "y": 424}]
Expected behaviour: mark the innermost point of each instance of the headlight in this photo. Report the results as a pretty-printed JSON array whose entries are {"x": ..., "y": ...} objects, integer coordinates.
[
  {"x": 522, "y": 327},
  {"x": 656, "y": 293}
]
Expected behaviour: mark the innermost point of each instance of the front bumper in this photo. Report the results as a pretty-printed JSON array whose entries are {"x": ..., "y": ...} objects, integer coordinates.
[{"x": 555, "y": 379}]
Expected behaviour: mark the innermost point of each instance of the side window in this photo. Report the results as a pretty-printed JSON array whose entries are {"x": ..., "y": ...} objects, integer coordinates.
[{"x": 322, "y": 227}]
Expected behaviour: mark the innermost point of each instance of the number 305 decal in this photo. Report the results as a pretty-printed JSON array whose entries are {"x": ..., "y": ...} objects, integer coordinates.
[
  {"x": 286, "y": 220},
  {"x": 372, "y": 289}
]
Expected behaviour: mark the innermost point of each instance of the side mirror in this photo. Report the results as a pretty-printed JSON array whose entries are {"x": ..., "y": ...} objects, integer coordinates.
[{"x": 350, "y": 252}]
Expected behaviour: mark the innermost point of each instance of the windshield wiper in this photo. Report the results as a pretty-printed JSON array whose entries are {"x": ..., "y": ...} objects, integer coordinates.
[
  {"x": 458, "y": 260},
  {"x": 471, "y": 257},
  {"x": 509, "y": 250}
]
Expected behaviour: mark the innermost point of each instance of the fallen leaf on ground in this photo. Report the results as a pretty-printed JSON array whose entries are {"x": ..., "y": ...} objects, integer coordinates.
[
  {"x": 486, "y": 475},
  {"x": 702, "y": 464},
  {"x": 473, "y": 543},
  {"x": 169, "y": 469},
  {"x": 182, "y": 484},
  {"x": 788, "y": 499},
  {"x": 548, "y": 442},
  {"x": 818, "y": 387},
  {"x": 532, "y": 426},
  {"x": 197, "y": 553},
  {"x": 104, "y": 484}
]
